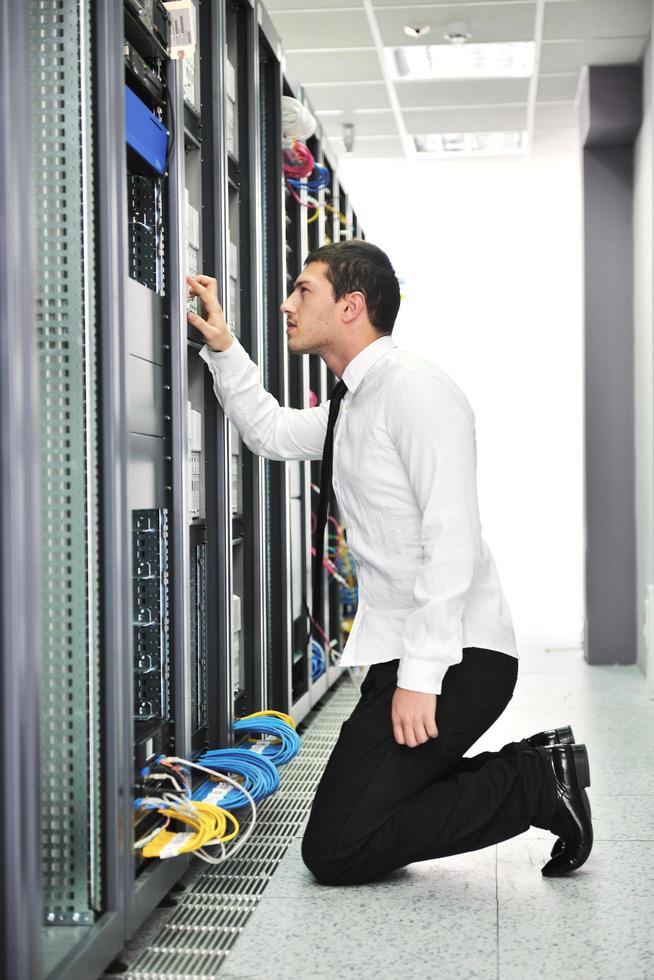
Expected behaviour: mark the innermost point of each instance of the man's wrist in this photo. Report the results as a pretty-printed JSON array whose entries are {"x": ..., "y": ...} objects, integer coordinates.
[{"x": 221, "y": 350}]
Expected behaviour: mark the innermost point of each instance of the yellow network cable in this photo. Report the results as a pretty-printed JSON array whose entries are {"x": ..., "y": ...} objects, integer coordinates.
[
  {"x": 269, "y": 714},
  {"x": 209, "y": 825},
  {"x": 339, "y": 214}
]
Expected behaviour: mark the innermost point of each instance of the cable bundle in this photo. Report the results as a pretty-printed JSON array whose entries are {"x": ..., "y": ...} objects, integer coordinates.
[
  {"x": 259, "y": 775},
  {"x": 297, "y": 121},
  {"x": 298, "y": 124},
  {"x": 317, "y": 660},
  {"x": 286, "y": 744},
  {"x": 210, "y": 825}
]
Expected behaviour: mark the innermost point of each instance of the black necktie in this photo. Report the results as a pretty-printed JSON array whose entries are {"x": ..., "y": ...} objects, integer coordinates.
[{"x": 323, "y": 503}]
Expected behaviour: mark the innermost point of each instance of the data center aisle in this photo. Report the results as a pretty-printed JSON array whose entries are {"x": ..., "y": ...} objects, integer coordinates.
[{"x": 487, "y": 914}]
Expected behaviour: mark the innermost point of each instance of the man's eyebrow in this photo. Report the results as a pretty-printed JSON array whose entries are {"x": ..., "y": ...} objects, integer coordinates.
[{"x": 302, "y": 282}]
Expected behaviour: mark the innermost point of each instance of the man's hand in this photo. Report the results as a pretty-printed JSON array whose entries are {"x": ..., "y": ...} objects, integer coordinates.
[
  {"x": 214, "y": 329},
  {"x": 414, "y": 717}
]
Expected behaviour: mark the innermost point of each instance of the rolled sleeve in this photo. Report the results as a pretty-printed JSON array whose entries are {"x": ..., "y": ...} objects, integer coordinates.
[
  {"x": 266, "y": 427},
  {"x": 432, "y": 428}
]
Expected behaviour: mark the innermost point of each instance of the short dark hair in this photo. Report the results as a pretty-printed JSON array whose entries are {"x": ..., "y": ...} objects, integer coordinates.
[{"x": 358, "y": 266}]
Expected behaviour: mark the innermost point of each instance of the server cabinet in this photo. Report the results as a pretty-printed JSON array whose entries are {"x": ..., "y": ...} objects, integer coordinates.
[
  {"x": 156, "y": 389},
  {"x": 274, "y": 363},
  {"x": 325, "y": 639},
  {"x": 72, "y": 796},
  {"x": 244, "y": 315},
  {"x": 299, "y": 475},
  {"x": 19, "y": 540}
]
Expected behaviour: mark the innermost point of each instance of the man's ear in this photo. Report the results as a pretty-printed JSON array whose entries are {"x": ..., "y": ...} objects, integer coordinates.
[{"x": 355, "y": 304}]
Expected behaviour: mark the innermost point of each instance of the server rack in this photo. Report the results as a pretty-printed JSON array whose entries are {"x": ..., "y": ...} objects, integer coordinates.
[
  {"x": 298, "y": 475},
  {"x": 133, "y": 487},
  {"x": 277, "y": 519},
  {"x": 329, "y": 619}
]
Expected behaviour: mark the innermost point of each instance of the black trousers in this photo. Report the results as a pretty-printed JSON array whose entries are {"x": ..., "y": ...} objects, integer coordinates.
[{"x": 380, "y": 805}]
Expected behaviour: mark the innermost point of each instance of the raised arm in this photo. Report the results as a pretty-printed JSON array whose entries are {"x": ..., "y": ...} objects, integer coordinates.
[{"x": 267, "y": 428}]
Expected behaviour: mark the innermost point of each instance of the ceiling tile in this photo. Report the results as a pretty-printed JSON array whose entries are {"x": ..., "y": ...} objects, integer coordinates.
[
  {"x": 556, "y": 141},
  {"x": 345, "y": 66},
  {"x": 370, "y": 124},
  {"x": 557, "y": 56},
  {"x": 459, "y": 5},
  {"x": 558, "y": 88},
  {"x": 487, "y": 22},
  {"x": 367, "y": 95},
  {"x": 466, "y": 91},
  {"x": 563, "y": 115},
  {"x": 323, "y": 29},
  {"x": 594, "y": 19},
  {"x": 296, "y": 6},
  {"x": 375, "y": 148},
  {"x": 464, "y": 120}
]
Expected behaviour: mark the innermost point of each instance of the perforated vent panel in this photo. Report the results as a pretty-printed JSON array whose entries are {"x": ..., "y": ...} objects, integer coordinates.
[
  {"x": 60, "y": 53},
  {"x": 195, "y": 941}
]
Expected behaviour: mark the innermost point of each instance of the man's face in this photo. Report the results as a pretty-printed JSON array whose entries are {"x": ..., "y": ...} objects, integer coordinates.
[{"x": 311, "y": 312}]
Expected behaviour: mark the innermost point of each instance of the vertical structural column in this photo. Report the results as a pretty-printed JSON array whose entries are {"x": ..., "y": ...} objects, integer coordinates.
[
  {"x": 611, "y": 111},
  {"x": 19, "y": 628}
]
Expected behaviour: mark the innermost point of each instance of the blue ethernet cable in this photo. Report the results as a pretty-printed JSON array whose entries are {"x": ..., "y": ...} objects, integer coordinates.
[
  {"x": 260, "y": 776},
  {"x": 317, "y": 659},
  {"x": 281, "y": 753}
]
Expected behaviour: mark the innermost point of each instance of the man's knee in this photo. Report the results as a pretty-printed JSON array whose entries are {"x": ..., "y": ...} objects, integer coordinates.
[{"x": 321, "y": 858}]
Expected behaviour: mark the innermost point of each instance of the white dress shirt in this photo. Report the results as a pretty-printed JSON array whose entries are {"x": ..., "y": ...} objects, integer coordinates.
[{"x": 406, "y": 485}]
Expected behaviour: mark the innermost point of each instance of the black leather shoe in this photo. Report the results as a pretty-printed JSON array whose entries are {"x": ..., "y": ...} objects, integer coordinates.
[
  {"x": 553, "y": 736},
  {"x": 571, "y": 773}
]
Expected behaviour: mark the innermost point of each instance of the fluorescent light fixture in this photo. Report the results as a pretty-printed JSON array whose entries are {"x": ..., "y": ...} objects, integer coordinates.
[
  {"x": 510, "y": 59},
  {"x": 453, "y": 144}
]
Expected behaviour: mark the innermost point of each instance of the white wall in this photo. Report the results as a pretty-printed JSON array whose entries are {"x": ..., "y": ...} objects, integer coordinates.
[
  {"x": 644, "y": 357},
  {"x": 491, "y": 252}
]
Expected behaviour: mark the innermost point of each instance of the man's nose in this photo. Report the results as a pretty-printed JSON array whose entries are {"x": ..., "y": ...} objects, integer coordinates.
[{"x": 285, "y": 307}]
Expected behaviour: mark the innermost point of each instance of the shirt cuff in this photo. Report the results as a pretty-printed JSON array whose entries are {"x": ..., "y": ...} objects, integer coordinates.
[
  {"x": 224, "y": 358},
  {"x": 425, "y": 676}
]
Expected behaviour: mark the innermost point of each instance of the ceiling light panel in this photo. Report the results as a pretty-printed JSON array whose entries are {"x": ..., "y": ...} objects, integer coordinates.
[
  {"x": 471, "y": 144},
  {"x": 426, "y": 61}
]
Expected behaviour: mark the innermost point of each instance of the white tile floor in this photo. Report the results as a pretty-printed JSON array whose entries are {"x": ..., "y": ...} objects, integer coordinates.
[{"x": 490, "y": 913}]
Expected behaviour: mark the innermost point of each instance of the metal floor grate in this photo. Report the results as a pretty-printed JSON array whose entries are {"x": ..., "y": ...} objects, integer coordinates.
[{"x": 193, "y": 942}]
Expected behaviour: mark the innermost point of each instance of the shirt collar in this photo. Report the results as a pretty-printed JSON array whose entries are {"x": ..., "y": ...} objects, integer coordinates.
[{"x": 358, "y": 367}]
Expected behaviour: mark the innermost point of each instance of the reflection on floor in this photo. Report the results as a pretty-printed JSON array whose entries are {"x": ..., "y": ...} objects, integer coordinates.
[{"x": 490, "y": 913}]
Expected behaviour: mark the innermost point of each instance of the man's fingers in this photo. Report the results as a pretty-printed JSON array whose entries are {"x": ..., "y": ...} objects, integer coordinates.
[
  {"x": 398, "y": 733},
  {"x": 208, "y": 296},
  {"x": 197, "y": 289},
  {"x": 410, "y": 737},
  {"x": 205, "y": 282},
  {"x": 197, "y": 322},
  {"x": 430, "y": 728}
]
